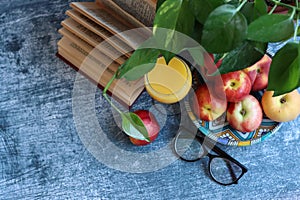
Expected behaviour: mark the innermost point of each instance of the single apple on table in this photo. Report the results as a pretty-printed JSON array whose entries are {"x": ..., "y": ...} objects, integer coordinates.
[
  {"x": 236, "y": 85},
  {"x": 206, "y": 106},
  {"x": 151, "y": 125},
  {"x": 281, "y": 108},
  {"x": 259, "y": 73},
  {"x": 246, "y": 115}
]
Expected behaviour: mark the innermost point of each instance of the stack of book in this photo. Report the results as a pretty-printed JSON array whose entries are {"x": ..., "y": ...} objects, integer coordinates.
[{"x": 98, "y": 37}]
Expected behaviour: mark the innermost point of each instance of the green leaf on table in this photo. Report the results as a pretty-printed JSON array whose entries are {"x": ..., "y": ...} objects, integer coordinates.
[
  {"x": 224, "y": 29},
  {"x": 141, "y": 62},
  {"x": 172, "y": 17},
  {"x": 203, "y": 8},
  {"x": 284, "y": 75},
  {"x": 242, "y": 57},
  {"x": 133, "y": 126},
  {"x": 271, "y": 28},
  {"x": 253, "y": 10}
]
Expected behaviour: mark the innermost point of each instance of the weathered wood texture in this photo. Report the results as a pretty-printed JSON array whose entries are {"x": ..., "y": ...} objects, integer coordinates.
[{"x": 42, "y": 156}]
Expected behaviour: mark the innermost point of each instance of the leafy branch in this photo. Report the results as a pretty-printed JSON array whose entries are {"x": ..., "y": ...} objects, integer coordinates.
[
  {"x": 238, "y": 31},
  {"x": 132, "y": 125}
]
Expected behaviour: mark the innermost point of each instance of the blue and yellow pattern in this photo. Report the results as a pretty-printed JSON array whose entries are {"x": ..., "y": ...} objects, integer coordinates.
[{"x": 220, "y": 131}]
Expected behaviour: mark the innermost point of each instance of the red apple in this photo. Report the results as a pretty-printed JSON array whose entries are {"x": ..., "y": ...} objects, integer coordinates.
[
  {"x": 206, "y": 106},
  {"x": 251, "y": 72},
  {"x": 246, "y": 115},
  {"x": 236, "y": 85},
  {"x": 259, "y": 73},
  {"x": 281, "y": 108},
  {"x": 151, "y": 125}
]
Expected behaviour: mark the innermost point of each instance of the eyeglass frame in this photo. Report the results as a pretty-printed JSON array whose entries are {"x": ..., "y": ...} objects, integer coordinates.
[{"x": 208, "y": 146}]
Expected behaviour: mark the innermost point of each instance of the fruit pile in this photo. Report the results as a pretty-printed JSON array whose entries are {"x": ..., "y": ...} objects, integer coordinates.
[{"x": 232, "y": 93}]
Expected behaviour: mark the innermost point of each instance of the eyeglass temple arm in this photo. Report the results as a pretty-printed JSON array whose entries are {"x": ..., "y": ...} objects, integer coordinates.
[
  {"x": 232, "y": 174},
  {"x": 216, "y": 149}
]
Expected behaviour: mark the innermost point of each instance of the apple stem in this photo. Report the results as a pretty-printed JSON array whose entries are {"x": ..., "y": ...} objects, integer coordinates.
[{"x": 282, "y": 100}]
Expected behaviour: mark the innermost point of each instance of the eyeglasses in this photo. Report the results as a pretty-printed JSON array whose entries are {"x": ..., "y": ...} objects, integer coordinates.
[{"x": 223, "y": 169}]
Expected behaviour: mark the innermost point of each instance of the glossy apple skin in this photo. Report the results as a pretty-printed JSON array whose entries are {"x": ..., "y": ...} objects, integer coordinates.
[
  {"x": 206, "y": 106},
  {"x": 281, "y": 108},
  {"x": 246, "y": 115},
  {"x": 236, "y": 85},
  {"x": 259, "y": 73},
  {"x": 151, "y": 125},
  {"x": 251, "y": 72}
]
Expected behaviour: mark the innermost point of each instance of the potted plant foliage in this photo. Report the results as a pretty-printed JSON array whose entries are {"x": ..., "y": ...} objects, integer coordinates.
[{"x": 236, "y": 31}]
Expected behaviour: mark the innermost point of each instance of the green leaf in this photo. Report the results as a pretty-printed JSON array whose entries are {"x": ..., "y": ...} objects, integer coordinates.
[
  {"x": 242, "y": 57},
  {"x": 235, "y": 3},
  {"x": 133, "y": 126},
  {"x": 271, "y": 28},
  {"x": 224, "y": 29},
  {"x": 261, "y": 7},
  {"x": 159, "y": 3},
  {"x": 140, "y": 62},
  {"x": 285, "y": 76},
  {"x": 203, "y": 8},
  {"x": 253, "y": 10},
  {"x": 173, "y": 16},
  {"x": 197, "y": 33},
  {"x": 197, "y": 54},
  {"x": 218, "y": 57},
  {"x": 167, "y": 55}
]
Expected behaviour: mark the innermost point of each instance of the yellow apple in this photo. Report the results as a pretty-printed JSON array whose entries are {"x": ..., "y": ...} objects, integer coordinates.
[{"x": 281, "y": 108}]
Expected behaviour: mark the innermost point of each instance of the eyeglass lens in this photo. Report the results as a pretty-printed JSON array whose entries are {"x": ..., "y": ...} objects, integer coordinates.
[
  {"x": 187, "y": 147},
  {"x": 224, "y": 170}
]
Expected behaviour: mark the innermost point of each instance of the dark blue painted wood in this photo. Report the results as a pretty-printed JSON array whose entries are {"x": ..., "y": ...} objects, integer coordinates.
[{"x": 43, "y": 157}]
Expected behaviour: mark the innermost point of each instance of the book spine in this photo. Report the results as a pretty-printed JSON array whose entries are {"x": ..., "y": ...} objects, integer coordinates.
[{"x": 128, "y": 91}]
